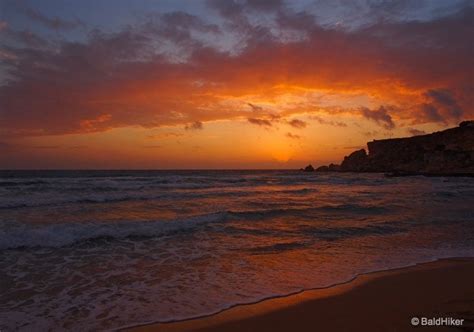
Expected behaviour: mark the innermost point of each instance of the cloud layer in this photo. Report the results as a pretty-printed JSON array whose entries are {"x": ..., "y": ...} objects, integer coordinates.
[{"x": 178, "y": 69}]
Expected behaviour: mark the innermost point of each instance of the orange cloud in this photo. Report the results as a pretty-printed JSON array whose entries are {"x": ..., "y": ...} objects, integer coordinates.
[
  {"x": 260, "y": 122},
  {"x": 407, "y": 72},
  {"x": 297, "y": 123}
]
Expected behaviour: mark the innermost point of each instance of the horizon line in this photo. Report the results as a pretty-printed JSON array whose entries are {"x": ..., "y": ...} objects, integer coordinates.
[{"x": 147, "y": 169}]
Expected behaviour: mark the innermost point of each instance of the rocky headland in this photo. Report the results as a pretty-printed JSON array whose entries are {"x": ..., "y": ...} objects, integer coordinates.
[{"x": 447, "y": 152}]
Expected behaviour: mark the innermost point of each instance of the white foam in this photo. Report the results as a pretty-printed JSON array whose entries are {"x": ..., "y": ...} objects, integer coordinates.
[{"x": 59, "y": 235}]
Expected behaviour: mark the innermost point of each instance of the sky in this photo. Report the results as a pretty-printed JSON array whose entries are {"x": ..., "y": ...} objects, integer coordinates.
[{"x": 257, "y": 84}]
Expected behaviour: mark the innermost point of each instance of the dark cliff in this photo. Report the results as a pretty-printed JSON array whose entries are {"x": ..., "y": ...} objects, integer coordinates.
[{"x": 445, "y": 152}]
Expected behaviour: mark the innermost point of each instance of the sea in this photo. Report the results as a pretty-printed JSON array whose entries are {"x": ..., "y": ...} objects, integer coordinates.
[{"x": 105, "y": 250}]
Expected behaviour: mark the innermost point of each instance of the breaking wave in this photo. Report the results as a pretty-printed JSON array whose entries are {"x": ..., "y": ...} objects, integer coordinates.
[
  {"x": 60, "y": 235},
  {"x": 14, "y": 235}
]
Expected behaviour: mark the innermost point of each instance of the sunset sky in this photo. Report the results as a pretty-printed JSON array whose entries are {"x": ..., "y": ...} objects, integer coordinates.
[{"x": 226, "y": 83}]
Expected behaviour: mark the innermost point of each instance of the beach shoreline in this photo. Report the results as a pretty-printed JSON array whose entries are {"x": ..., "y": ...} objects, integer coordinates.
[{"x": 376, "y": 301}]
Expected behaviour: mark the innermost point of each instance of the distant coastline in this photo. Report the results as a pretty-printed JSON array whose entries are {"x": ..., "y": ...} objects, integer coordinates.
[{"x": 445, "y": 153}]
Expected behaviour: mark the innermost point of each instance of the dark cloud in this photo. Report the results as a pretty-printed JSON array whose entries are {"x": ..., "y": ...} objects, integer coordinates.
[
  {"x": 415, "y": 132},
  {"x": 445, "y": 102},
  {"x": 430, "y": 113},
  {"x": 371, "y": 133},
  {"x": 183, "y": 20},
  {"x": 55, "y": 23},
  {"x": 232, "y": 8},
  {"x": 226, "y": 8},
  {"x": 197, "y": 125},
  {"x": 388, "y": 9},
  {"x": 178, "y": 27},
  {"x": 260, "y": 122},
  {"x": 237, "y": 19},
  {"x": 255, "y": 108},
  {"x": 297, "y": 123},
  {"x": 25, "y": 37},
  {"x": 265, "y": 5},
  {"x": 300, "y": 21},
  {"x": 328, "y": 122},
  {"x": 165, "y": 135},
  {"x": 273, "y": 117},
  {"x": 380, "y": 116},
  {"x": 293, "y": 136}
]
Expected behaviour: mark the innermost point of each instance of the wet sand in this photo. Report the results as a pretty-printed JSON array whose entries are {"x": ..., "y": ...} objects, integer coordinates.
[{"x": 379, "y": 301}]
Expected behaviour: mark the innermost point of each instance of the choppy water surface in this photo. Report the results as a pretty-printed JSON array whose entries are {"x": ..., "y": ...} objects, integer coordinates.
[{"x": 106, "y": 249}]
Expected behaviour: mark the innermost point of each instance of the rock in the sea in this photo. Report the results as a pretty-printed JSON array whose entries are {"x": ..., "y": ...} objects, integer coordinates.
[
  {"x": 309, "y": 168},
  {"x": 330, "y": 168},
  {"x": 357, "y": 161},
  {"x": 334, "y": 168}
]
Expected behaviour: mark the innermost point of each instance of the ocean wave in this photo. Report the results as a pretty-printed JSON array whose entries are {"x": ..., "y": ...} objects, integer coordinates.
[
  {"x": 301, "y": 191},
  {"x": 327, "y": 233},
  {"x": 60, "y": 235},
  {"x": 112, "y": 195},
  {"x": 21, "y": 183},
  {"x": 32, "y": 202},
  {"x": 14, "y": 236},
  {"x": 279, "y": 247},
  {"x": 336, "y": 233},
  {"x": 309, "y": 211}
]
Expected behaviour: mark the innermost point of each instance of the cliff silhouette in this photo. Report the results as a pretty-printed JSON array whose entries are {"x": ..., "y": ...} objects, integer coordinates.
[{"x": 447, "y": 152}]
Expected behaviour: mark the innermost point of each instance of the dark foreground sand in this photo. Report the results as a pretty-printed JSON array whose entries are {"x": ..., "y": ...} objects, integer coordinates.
[{"x": 381, "y": 301}]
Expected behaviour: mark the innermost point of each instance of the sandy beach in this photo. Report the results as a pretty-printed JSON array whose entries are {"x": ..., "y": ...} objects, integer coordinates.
[{"x": 380, "y": 301}]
